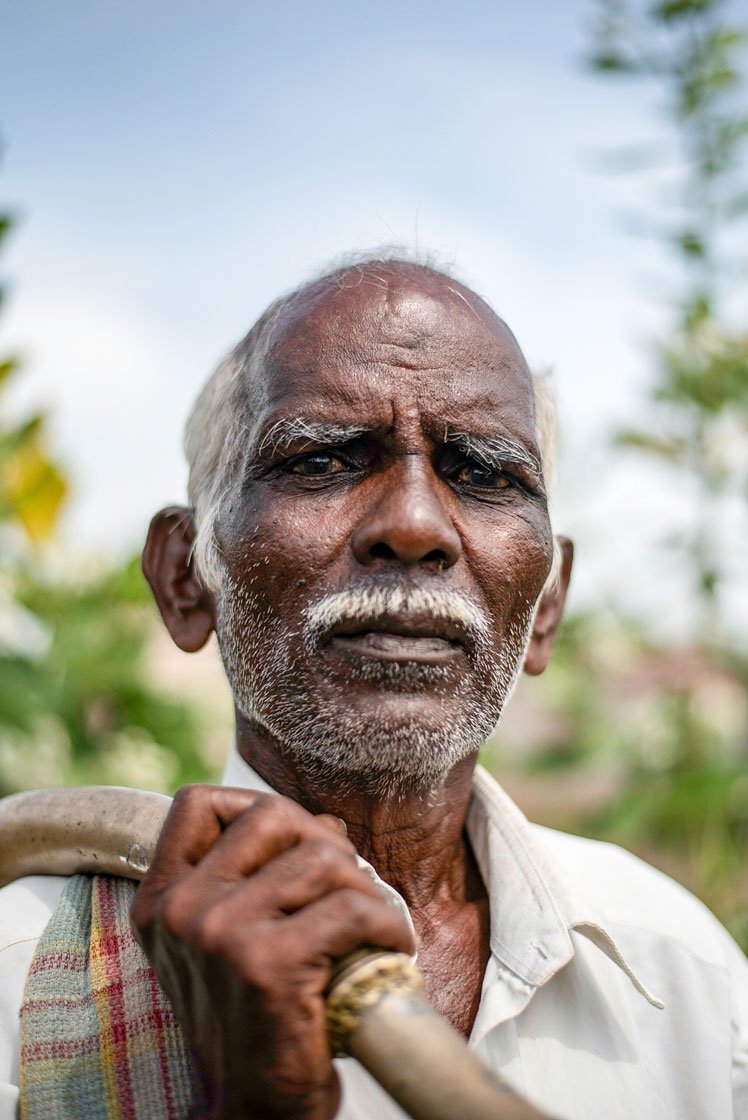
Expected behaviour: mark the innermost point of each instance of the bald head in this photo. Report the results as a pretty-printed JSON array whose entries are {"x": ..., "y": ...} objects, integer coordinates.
[{"x": 411, "y": 298}]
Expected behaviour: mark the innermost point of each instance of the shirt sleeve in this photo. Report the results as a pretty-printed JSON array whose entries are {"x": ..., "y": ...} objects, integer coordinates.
[
  {"x": 8, "y": 1101},
  {"x": 15, "y": 959},
  {"x": 25, "y": 908}
]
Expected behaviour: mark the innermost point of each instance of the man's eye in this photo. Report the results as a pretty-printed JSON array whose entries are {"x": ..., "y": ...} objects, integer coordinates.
[
  {"x": 473, "y": 474},
  {"x": 317, "y": 465}
]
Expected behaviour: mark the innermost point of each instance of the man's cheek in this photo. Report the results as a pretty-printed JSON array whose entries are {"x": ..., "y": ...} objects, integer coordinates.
[
  {"x": 534, "y": 542},
  {"x": 520, "y": 560},
  {"x": 306, "y": 560}
]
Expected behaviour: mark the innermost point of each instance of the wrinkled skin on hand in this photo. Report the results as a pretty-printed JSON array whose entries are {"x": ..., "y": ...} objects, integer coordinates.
[{"x": 249, "y": 901}]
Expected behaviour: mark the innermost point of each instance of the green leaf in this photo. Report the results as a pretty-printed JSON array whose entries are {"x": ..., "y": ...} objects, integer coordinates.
[
  {"x": 8, "y": 366},
  {"x": 725, "y": 38},
  {"x": 612, "y": 63},
  {"x": 12, "y": 440},
  {"x": 696, "y": 312},
  {"x": 671, "y": 450},
  {"x": 691, "y": 244},
  {"x": 668, "y": 11}
]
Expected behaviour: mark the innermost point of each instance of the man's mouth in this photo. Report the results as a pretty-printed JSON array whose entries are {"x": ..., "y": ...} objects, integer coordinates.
[{"x": 427, "y": 641}]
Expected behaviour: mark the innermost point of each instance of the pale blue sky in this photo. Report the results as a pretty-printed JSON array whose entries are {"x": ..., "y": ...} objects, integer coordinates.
[{"x": 176, "y": 165}]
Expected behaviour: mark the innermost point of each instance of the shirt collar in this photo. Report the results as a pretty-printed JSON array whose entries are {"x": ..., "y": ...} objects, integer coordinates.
[{"x": 534, "y": 906}]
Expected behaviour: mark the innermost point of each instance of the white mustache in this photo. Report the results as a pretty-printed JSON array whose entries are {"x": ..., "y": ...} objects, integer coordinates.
[{"x": 368, "y": 604}]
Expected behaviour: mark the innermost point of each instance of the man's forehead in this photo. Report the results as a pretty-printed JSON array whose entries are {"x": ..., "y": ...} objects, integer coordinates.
[
  {"x": 395, "y": 305},
  {"x": 365, "y": 346}
]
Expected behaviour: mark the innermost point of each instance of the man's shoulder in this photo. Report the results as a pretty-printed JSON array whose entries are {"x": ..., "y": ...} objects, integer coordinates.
[
  {"x": 26, "y": 906},
  {"x": 632, "y": 895}
]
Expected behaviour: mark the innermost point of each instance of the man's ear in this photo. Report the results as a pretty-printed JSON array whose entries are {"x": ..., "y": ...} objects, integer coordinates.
[
  {"x": 549, "y": 613},
  {"x": 186, "y": 607}
]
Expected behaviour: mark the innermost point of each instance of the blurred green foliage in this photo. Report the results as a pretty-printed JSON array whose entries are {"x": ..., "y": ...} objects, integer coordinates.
[
  {"x": 672, "y": 722},
  {"x": 75, "y": 702},
  {"x": 699, "y": 397},
  {"x": 32, "y": 487},
  {"x": 643, "y": 745}
]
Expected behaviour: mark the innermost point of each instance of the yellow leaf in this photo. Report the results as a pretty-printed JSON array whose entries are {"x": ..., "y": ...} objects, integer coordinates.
[{"x": 33, "y": 490}]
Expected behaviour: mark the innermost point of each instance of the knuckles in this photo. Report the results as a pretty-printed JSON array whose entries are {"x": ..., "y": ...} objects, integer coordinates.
[
  {"x": 325, "y": 860},
  {"x": 373, "y": 919},
  {"x": 190, "y": 795},
  {"x": 176, "y": 912},
  {"x": 210, "y": 932},
  {"x": 360, "y": 912},
  {"x": 191, "y": 799}
]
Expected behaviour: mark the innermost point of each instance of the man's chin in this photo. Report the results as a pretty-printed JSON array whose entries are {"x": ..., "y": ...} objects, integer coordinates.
[
  {"x": 383, "y": 742},
  {"x": 399, "y": 696},
  {"x": 380, "y": 757},
  {"x": 375, "y": 725}
]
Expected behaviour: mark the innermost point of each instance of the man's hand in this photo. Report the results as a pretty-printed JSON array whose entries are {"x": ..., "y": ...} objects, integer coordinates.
[{"x": 248, "y": 902}]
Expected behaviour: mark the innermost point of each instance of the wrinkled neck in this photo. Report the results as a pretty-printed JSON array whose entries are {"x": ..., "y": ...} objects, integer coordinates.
[{"x": 414, "y": 838}]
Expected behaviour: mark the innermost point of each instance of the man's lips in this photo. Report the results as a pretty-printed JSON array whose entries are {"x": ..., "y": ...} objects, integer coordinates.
[{"x": 397, "y": 638}]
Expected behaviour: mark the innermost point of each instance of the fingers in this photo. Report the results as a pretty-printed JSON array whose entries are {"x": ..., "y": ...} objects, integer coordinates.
[
  {"x": 248, "y": 900},
  {"x": 269, "y": 826},
  {"x": 196, "y": 820},
  {"x": 302, "y": 875},
  {"x": 216, "y": 837},
  {"x": 229, "y": 860},
  {"x": 316, "y": 935},
  {"x": 337, "y": 823},
  {"x": 348, "y": 919}
]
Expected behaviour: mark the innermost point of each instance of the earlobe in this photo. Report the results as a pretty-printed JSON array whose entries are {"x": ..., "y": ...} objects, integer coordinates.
[
  {"x": 186, "y": 607},
  {"x": 549, "y": 612}
]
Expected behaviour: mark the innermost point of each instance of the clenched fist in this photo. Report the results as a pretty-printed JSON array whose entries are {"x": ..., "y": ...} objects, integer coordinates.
[{"x": 248, "y": 902}]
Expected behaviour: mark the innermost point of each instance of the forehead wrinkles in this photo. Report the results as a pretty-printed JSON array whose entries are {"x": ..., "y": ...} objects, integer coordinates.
[
  {"x": 426, "y": 323},
  {"x": 355, "y": 344}
]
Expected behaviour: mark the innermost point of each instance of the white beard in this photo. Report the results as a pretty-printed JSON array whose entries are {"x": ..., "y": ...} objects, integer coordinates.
[{"x": 326, "y": 740}]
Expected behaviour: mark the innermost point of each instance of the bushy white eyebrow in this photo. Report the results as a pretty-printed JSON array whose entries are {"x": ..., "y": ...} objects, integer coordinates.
[
  {"x": 286, "y": 432},
  {"x": 494, "y": 452}
]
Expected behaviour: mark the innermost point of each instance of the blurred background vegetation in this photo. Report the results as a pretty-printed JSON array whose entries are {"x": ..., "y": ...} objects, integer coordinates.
[
  {"x": 83, "y": 695},
  {"x": 624, "y": 738},
  {"x": 641, "y": 743}
]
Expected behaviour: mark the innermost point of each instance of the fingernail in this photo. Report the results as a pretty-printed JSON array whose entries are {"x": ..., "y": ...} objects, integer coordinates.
[{"x": 336, "y": 822}]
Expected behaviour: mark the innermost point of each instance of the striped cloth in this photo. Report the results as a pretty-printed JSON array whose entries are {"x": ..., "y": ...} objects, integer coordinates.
[{"x": 99, "y": 1040}]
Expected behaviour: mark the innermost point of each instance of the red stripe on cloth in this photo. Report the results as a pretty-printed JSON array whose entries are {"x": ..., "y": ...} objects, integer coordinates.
[
  {"x": 156, "y": 1022},
  {"x": 115, "y": 1040}
]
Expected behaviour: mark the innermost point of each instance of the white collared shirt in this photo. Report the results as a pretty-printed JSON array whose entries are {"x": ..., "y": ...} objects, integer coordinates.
[{"x": 610, "y": 992}]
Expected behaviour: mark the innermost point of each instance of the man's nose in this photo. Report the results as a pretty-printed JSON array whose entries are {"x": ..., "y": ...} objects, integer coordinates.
[{"x": 407, "y": 522}]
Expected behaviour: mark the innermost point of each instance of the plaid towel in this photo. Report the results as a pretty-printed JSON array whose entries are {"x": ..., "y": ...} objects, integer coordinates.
[{"x": 98, "y": 1037}]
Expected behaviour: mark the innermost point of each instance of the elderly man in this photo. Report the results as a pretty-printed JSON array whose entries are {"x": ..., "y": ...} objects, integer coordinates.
[{"x": 369, "y": 538}]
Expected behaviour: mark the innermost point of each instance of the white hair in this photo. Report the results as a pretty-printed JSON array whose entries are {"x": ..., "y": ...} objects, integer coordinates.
[{"x": 217, "y": 428}]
